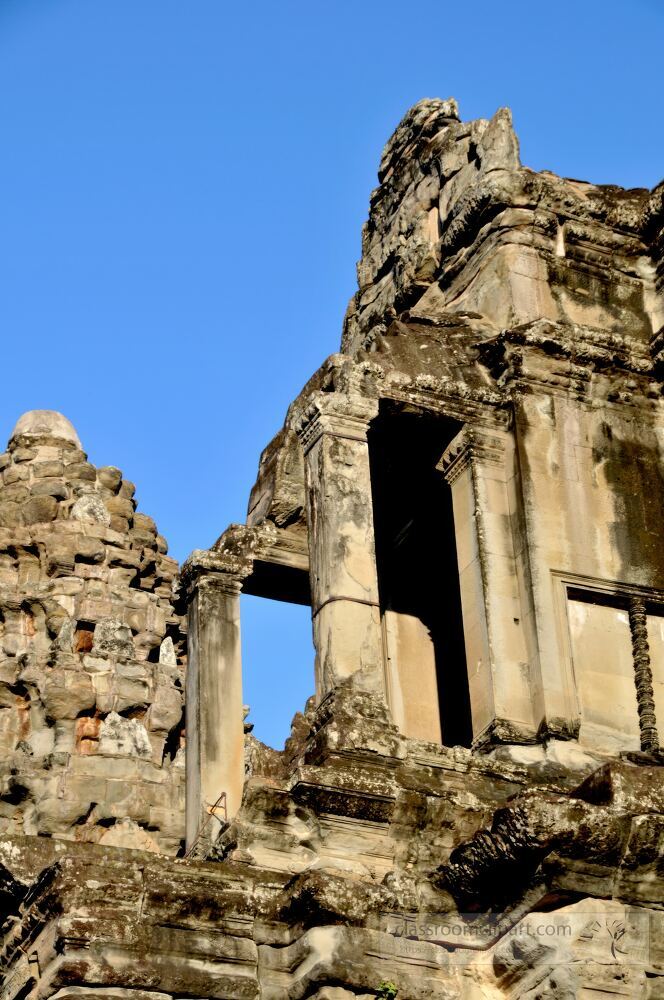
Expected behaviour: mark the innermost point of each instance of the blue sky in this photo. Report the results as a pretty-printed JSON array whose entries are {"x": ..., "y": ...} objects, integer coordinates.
[{"x": 182, "y": 188}]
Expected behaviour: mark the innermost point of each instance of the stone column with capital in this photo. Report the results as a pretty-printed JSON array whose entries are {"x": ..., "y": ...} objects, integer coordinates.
[
  {"x": 214, "y": 726},
  {"x": 344, "y": 583},
  {"x": 498, "y": 621}
]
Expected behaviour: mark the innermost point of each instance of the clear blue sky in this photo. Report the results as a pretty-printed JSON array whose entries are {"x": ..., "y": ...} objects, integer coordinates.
[{"x": 182, "y": 187}]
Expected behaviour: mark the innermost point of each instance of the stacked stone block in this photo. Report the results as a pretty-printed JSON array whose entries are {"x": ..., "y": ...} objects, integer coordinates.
[
  {"x": 459, "y": 227},
  {"x": 517, "y": 317},
  {"x": 91, "y": 651}
]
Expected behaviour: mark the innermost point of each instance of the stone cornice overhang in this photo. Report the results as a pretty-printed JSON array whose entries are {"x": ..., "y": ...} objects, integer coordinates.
[
  {"x": 543, "y": 356},
  {"x": 596, "y": 367},
  {"x": 374, "y": 380},
  {"x": 239, "y": 550}
]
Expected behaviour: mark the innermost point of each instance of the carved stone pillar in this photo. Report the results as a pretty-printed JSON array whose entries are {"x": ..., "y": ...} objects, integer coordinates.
[
  {"x": 344, "y": 583},
  {"x": 645, "y": 696},
  {"x": 497, "y": 619},
  {"x": 215, "y": 730}
]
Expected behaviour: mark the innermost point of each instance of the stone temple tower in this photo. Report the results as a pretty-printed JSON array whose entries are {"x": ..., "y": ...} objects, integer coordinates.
[
  {"x": 469, "y": 499},
  {"x": 92, "y": 690}
]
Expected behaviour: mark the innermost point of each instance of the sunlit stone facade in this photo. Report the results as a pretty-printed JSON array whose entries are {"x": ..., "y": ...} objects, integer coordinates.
[{"x": 469, "y": 498}]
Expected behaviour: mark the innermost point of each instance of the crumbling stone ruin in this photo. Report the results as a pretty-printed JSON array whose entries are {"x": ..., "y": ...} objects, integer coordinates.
[
  {"x": 469, "y": 498},
  {"x": 92, "y": 670}
]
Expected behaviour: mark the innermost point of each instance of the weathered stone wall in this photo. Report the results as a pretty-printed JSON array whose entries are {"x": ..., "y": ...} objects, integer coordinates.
[
  {"x": 458, "y": 225},
  {"x": 92, "y": 667},
  {"x": 529, "y": 309},
  {"x": 519, "y": 316},
  {"x": 360, "y": 858}
]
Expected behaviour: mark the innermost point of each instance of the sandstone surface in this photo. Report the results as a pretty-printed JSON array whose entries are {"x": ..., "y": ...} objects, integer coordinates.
[
  {"x": 469, "y": 499},
  {"x": 91, "y": 691}
]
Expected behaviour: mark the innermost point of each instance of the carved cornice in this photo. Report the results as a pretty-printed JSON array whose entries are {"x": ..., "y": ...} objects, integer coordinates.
[
  {"x": 204, "y": 570},
  {"x": 223, "y": 566},
  {"x": 342, "y": 397},
  {"x": 563, "y": 356},
  {"x": 338, "y": 414},
  {"x": 231, "y": 559},
  {"x": 472, "y": 444}
]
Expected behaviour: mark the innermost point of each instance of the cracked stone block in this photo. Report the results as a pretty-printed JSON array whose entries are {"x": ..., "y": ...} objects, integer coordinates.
[
  {"x": 112, "y": 638},
  {"x": 90, "y": 508},
  {"x": 123, "y": 737}
]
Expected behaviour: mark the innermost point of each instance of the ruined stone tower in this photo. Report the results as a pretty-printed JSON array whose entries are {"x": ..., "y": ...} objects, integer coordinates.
[
  {"x": 92, "y": 688},
  {"x": 469, "y": 499}
]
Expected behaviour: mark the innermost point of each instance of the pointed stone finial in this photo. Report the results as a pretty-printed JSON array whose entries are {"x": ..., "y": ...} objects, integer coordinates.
[{"x": 45, "y": 424}]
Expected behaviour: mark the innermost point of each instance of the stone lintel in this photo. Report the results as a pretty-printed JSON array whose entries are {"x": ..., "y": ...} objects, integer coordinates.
[
  {"x": 281, "y": 547},
  {"x": 241, "y": 557},
  {"x": 230, "y": 560}
]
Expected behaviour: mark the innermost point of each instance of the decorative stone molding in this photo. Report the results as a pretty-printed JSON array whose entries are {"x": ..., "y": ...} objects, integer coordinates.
[
  {"x": 645, "y": 697},
  {"x": 340, "y": 415},
  {"x": 503, "y": 731},
  {"x": 563, "y": 356},
  {"x": 228, "y": 562},
  {"x": 496, "y": 865},
  {"x": 471, "y": 443}
]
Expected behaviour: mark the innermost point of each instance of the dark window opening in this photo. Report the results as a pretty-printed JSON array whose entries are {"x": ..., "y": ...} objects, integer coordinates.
[{"x": 416, "y": 548}]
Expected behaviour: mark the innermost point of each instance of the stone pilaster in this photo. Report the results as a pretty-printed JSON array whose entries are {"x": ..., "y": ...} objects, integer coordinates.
[
  {"x": 498, "y": 628},
  {"x": 215, "y": 731},
  {"x": 344, "y": 582}
]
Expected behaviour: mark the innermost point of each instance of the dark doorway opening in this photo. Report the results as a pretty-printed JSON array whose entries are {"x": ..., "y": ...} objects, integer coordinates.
[{"x": 416, "y": 549}]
